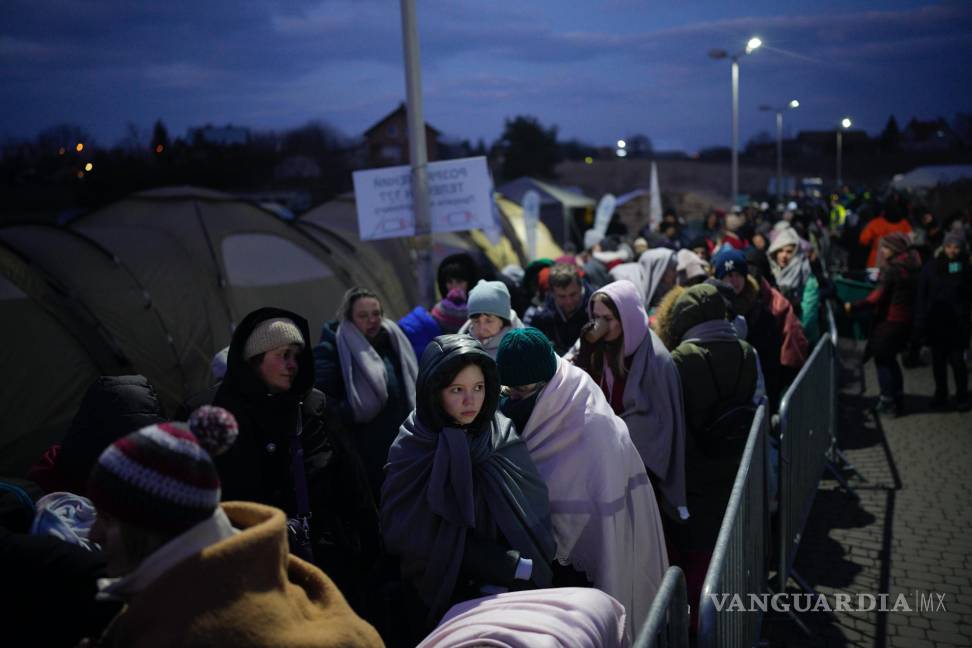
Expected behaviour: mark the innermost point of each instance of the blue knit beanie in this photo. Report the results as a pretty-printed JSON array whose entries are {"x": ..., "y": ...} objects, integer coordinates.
[
  {"x": 729, "y": 260},
  {"x": 490, "y": 297},
  {"x": 525, "y": 356}
]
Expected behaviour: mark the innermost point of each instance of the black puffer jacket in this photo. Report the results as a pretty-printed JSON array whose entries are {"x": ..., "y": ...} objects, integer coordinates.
[
  {"x": 259, "y": 466},
  {"x": 113, "y": 407}
]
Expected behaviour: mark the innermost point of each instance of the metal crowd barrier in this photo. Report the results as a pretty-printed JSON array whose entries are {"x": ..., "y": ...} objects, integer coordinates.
[
  {"x": 806, "y": 420},
  {"x": 738, "y": 564},
  {"x": 668, "y": 618}
]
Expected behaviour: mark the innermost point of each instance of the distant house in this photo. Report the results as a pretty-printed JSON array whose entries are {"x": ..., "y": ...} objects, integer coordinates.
[
  {"x": 220, "y": 136},
  {"x": 387, "y": 141},
  {"x": 932, "y": 135}
]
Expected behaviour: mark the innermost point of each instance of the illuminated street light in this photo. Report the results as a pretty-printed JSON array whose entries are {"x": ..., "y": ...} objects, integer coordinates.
[
  {"x": 79, "y": 147},
  {"x": 752, "y": 45},
  {"x": 622, "y": 144},
  {"x": 588, "y": 160},
  {"x": 845, "y": 123},
  {"x": 779, "y": 145},
  {"x": 621, "y": 153},
  {"x": 88, "y": 166}
]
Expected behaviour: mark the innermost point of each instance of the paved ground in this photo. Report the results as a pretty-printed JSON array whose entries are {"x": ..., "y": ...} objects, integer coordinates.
[{"x": 910, "y": 530}]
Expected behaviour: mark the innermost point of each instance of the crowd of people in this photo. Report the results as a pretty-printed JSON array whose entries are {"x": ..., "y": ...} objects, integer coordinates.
[{"x": 523, "y": 458}]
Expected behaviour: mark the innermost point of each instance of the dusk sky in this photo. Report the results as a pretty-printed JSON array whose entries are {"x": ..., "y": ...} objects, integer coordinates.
[{"x": 597, "y": 70}]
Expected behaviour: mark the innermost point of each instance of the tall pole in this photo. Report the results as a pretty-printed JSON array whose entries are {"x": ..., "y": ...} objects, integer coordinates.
[
  {"x": 839, "y": 143},
  {"x": 735, "y": 129},
  {"x": 779, "y": 157},
  {"x": 418, "y": 155}
]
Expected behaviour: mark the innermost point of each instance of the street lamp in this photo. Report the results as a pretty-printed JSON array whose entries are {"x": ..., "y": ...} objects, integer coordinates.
[
  {"x": 779, "y": 145},
  {"x": 845, "y": 123},
  {"x": 752, "y": 45}
]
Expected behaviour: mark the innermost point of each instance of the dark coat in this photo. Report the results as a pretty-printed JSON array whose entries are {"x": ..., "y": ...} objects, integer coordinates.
[
  {"x": 259, "y": 466},
  {"x": 561, "y": 331},
  {"x": 461, "y": 504},
  {"x": 113, "y": 407},
  {"x": 944, "y": 309},
  {"x": 371, "y": 439}
]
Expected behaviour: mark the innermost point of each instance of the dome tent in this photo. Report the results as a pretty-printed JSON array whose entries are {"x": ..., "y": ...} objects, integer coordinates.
[{"x": 152, "y": 284}]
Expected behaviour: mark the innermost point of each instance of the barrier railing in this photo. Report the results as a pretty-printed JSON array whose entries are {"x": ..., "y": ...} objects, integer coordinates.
[
  {"x": 806, "y": 419},
  {"x": 668, "y": 619},
  {"x": 738, "y": 564}
]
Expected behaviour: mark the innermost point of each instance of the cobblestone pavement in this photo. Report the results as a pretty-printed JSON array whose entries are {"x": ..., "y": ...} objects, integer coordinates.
[{"x": 909, "y": 531}]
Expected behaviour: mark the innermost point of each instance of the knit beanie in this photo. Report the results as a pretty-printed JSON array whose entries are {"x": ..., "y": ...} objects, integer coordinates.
[
  {"x": 161, "y": 478},
  {"x": 490, "y": 297},
  {"x": 729, "y": 260},
  {"x": 691, "y": 265},
  {"x": 451, "y": 313},
  {"x": 896, "y": 242},
  {"x": 954, "y": 237},
  {"x": 525, "y": 356},
  {"x": 271, "y": 334}
]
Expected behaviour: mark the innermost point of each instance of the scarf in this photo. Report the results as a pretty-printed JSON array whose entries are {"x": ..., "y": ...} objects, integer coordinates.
[
  {"x": 602, "y": 506},
  {"x": 365, "y": 378},
  {"x": 442, "y": 485}
]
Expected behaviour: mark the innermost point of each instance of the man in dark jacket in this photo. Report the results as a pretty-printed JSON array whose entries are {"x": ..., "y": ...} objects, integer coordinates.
[
  {"x": 943, "y": 317},
  {"x": 565, "y": 311}
]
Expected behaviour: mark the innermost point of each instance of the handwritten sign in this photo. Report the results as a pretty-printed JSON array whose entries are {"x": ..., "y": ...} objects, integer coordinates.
[{"x": 460, "y": 198}]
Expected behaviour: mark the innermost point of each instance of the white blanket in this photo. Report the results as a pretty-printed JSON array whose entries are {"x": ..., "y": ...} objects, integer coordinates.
[
  {"x": 365, "y": 379},
  {"x": 603, "y": 509}
]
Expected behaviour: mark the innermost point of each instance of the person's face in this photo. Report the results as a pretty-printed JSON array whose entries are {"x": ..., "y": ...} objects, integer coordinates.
[
  {"x": 952, "y": 251},
  {"x": 784, "y": 254},
  {"x": 668, "y": 279},
  {"x": 524, "y": 391},
  {"x": 454, "y": 282},
  {"x": 463, "y": 397},
  {"x": 107, "y": 532},
  {"x": 737, "y": 280},
  {"x": 366, "y": 316},
  {"x": 279, "y": 368},
  {"x": 485, "y": 326},
  {"x": 759, "y": 241},
  {"x": 568, "y": 299},
  {"x": 604, "y": 317},
  {"x": 703, "y": 252}
]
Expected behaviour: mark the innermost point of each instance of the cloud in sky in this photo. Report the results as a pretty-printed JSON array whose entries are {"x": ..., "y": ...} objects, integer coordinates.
[{"x": 598, "y": 70}]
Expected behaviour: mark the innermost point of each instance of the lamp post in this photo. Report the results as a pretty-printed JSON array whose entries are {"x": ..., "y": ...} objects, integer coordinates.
[
  {"x": 779, "y": 145},
  {"x": 845, "y": 123},
  {"x": 751, "y": 46}
]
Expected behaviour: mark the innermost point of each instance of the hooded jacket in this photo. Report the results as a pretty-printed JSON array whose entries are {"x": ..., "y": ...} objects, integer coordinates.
[
  {"x": 652, "y": 398},
  {"x": 259, "y": 466},
  {"x": 462, "y": 504},
  {"x": 469, "y": 270}
]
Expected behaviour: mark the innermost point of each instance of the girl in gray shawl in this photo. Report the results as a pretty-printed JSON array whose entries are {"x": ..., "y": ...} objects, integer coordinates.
[{"x": 462, "y": 504}]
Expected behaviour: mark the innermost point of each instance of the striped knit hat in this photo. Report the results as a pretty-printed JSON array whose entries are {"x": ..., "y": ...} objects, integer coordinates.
[{"x": 162, "y": 478}]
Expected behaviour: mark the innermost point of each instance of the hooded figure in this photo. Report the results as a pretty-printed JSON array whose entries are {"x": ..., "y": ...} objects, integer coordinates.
[
  {"x": 293, "y": 453},
  {"x": 462, "y": 503},
  {"x": 585, "y": 455},
  {"x": 660, "y": 272},
  {"x": 460, "y": 267},
  {"x": 795, "y": 280},
  {"x": 636, "y": 374}
]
